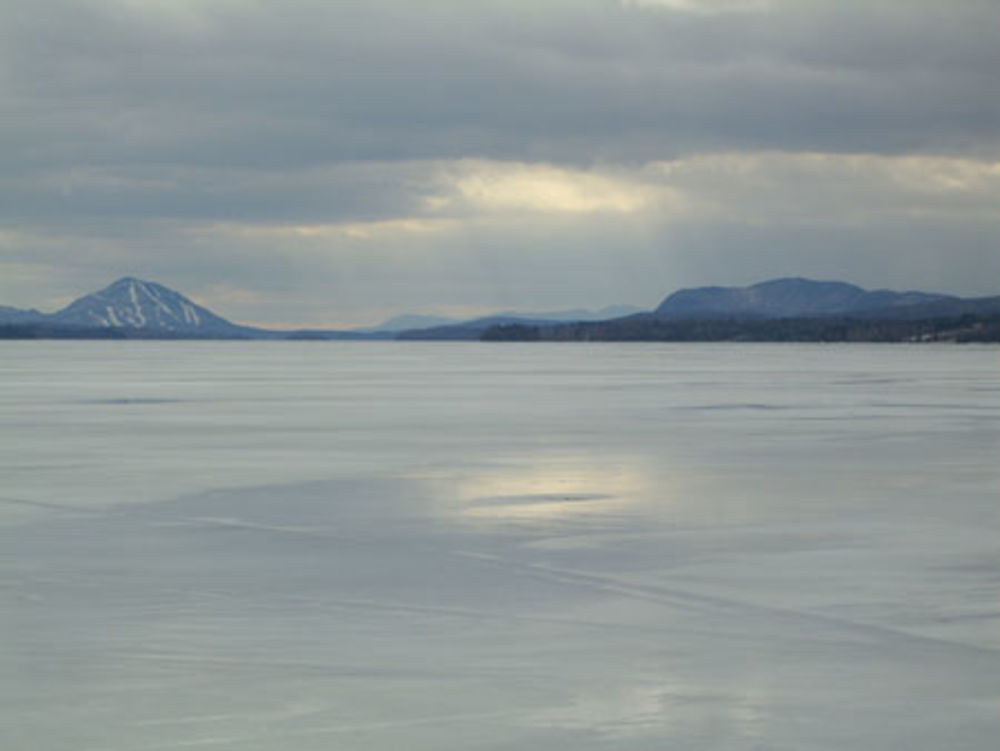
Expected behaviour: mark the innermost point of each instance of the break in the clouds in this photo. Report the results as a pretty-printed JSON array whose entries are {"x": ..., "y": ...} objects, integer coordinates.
[{"x": 333, "y": 162}]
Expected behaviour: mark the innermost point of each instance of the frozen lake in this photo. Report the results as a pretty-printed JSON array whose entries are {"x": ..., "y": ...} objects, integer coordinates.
[{"x": 447, "y": 546}]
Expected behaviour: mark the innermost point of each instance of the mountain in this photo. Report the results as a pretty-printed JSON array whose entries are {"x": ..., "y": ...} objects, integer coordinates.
[
  {"x": 617, "y": 311},
  {"x": 786, "y": 298},
  {"x": 9, "y": 315},
  {"x": 473, "y": 329},
  {"x": 409, "y": 321},
  {"x": 428, "y": 322},
  {"x": 469, "y": 330},
  {"x": 574, "y": 314},
  {"x": 146, "y": 308}
]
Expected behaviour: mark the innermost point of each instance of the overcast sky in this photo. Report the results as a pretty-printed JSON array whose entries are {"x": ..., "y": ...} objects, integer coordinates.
[{"x": 332, "y": 162}]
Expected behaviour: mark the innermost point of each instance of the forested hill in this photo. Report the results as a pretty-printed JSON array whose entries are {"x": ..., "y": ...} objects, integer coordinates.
[{"x": 964, "y": 328}]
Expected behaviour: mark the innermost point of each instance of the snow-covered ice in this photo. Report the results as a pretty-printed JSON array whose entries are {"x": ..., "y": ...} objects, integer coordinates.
[{"x": 459, "y": 546}]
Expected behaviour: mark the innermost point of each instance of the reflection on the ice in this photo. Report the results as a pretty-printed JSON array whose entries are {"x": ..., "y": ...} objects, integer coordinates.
[
  {"x": 552, "y": 488},
  {"x": 665, "y": 710},
  {"x": 616, "y": 712}
]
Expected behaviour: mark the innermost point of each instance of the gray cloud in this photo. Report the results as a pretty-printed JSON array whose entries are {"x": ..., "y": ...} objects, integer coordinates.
[
  {"x": 158, "y": 135},
  {"x": 242, "y": 85}
]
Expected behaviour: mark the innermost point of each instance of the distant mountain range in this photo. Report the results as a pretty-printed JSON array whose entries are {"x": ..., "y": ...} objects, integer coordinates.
[
  {"x": 135, "y": 308},
  {"x": 760, "y": 312},
  {"x": 796, "y": 308},
  {"x": 416, "y": 322}
]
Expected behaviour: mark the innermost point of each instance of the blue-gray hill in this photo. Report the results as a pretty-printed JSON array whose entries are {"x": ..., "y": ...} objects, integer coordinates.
[
  {"x": 9, "y": 315},
  {"x": 785, "y": 298}
]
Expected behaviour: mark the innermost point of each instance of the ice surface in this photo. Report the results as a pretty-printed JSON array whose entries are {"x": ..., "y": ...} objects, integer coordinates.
[{"x": 460, "y": 546}]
